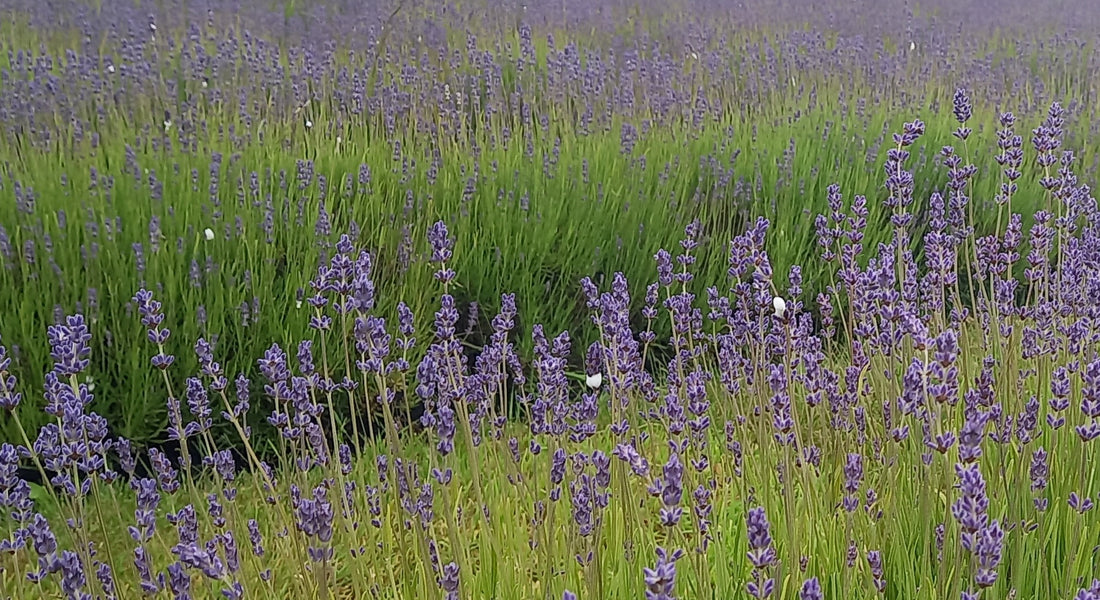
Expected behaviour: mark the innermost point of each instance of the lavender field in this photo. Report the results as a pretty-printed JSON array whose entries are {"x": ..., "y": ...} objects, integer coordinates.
[{"x": 571, "y": 300}]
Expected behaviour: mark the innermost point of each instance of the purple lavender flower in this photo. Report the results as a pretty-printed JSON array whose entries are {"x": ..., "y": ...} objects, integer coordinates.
[
  {"x": 445, "y": 428},
  {"x": 72, "y": 576},
  {"x": 630, "y": 455},
  {"x": 988, "y": 552},
  {"x": 187, "y": 525},
  {"x": 970, "y": 508},
  {"x": 106, "y": 578},
  {"x": 1039, "y": 472},
  {"x": 315, "y": 518},
  {"x": 9, "y": 398},
  {"x": 761, "y": 554},
  {"x": 963, "y": 110},
  {"x": 853, "y": 475},
  {"x": 238, "y": 410},
  {"x": 448, "y": 581},
  {"x": 150, "y": 584},
  {"x": 69, "y": 345},
  {"x": 874, "y": 561},
  {"x": 255, "y": 538},
  {"x": 1060, "y": 389},
  {"x": 179, "y": 581},
  {"x": 273, "y": 366},
  {"x": 1090, "y": 593},
  {"x": 971, "y": 435},
  {"x": 1080, "y": 503},
  {"x": 45, "y": 546},
  {"x": 660, "y": 581},
  {"x": 1090, "y": 402},
  {"x": 201, "y": 557},
  {"x": 215, "y": 510},
  {"x": 199, "y": 403},
  {"x": 672, "y": 491},
  {"x": 151, "y": 317},
  {"x": 15, "y": 498},
  {"x": 231, "y": 552},
  {"x": 582, "y": 497},
  {"x": 147, "y": 501},
  {"x": 442, "y": 246},
  {"x": 167, "y": 476},
  {"x": 664, "y": 267},
  {"x": 811, "y": 590}
]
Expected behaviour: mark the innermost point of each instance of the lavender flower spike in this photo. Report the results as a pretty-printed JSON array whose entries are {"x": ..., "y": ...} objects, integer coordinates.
[
  {"x": 661, "y": 579},
  {"x": 811, "y": 590}
]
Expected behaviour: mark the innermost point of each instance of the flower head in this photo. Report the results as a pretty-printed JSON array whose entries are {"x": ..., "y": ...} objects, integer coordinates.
[
  {"x": 69, "y": 345},
  {"x": 661, "y": 579}
]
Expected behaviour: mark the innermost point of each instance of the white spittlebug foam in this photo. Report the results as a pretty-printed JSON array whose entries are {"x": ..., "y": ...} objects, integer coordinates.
[
  {"x": 594, "y": 381},
  {"x": 780, "y": 306}
]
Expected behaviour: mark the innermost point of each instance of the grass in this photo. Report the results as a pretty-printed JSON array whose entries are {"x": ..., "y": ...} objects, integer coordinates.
[
  {"x": 892, "y": 398},
  {"x": 524, "y": 216}
]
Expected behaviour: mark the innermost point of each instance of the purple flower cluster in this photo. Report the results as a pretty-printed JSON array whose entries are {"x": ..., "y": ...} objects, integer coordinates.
[{"x": 762, "y": 554}]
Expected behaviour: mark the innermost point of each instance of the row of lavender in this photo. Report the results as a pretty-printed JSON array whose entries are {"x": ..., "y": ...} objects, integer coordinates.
[
  {"x": 944, "y": 450},
  {"x": 213, "y": 152},
  {"x": 443, "y": 69},
  {"x": 907, "y": 391}
]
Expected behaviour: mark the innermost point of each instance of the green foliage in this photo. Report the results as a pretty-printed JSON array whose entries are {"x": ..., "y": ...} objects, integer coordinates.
[{"x": 521, "y": 230}]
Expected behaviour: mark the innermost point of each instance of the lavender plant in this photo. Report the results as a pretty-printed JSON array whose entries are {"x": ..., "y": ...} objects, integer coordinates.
[
  {"x": 215, "y": 156},
  {"x": 591, "y": 379}
]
